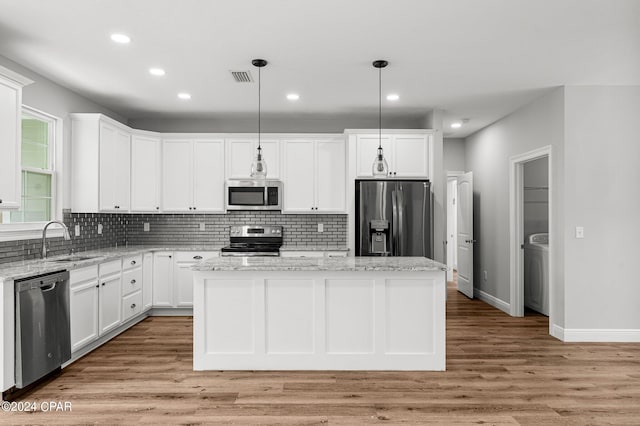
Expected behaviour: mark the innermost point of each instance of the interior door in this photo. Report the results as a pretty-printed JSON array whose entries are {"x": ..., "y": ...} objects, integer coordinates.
[{"x": 465, "y": 234}]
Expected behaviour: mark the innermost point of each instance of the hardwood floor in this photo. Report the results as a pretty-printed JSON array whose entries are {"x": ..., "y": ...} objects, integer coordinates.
[{"x": 500, "y": 370}]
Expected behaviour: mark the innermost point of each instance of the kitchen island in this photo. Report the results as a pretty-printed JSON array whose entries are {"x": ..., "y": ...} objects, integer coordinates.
[{"x": 352, "y": 313}]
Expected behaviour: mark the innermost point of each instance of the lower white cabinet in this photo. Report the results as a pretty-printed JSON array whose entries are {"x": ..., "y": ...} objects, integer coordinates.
[
  {"x": 83, "y": 304},
  {"x": 110, "y": 295},
  {"x": 173, "y": 277},
  {"x": 147, "y": 281},
  {"x": 163, "y": 279}
]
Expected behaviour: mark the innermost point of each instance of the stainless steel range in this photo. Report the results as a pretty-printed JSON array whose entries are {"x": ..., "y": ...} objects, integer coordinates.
[{"x": 253, "y": 240}]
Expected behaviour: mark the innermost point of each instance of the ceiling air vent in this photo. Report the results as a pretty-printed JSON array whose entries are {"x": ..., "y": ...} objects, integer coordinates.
[{"x": 242, "y": 76}]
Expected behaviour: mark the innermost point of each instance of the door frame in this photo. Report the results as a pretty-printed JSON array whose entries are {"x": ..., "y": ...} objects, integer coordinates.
[
  {"x": 516, "y": 230},
  {"x": 450, "y": 175}
]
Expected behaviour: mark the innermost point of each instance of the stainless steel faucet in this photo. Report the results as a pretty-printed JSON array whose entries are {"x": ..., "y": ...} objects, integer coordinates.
[{"x": 65, "y": 231}]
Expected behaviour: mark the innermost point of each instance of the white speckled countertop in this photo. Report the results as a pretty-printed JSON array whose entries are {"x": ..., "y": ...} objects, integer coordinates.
[
  {"x": 314, "y": 248},
  {"x": 29, "y": 268},
  {"x": 422, "y": 264}
]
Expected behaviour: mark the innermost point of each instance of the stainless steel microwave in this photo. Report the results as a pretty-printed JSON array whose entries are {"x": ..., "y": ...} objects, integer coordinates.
[{"x": 265, "y": 194}]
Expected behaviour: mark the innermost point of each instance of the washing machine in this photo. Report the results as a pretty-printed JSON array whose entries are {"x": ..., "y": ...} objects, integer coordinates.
[{"x": 536, "y": 273}]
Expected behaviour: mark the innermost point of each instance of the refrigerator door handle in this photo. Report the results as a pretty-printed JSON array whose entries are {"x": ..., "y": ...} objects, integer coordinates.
[
  {"x": 394, "y": 230},
  {"x": 400, "y": 207}
]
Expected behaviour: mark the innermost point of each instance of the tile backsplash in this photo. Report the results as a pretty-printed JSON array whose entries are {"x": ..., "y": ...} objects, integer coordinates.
[{"x": 176, "y": 230}]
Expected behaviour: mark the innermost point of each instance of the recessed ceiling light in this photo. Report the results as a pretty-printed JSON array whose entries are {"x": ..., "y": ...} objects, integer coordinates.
[
  {"x": 393, "y": 97},
  {"x": 120, "y": 38},
  {"x": 293, "y": 96},
  {"x": 184, "y": 95},
  {"x": 156, "y": 71},
  {"x": 456, "y": 125}
]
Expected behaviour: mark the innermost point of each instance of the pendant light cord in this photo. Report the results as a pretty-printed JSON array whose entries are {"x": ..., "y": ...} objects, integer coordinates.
[
  {"x": 380, "y": 108},
  {"x": 259, "y": 102}
]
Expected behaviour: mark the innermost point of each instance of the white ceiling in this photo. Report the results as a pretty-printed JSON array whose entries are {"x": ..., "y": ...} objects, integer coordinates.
[{"x": 475, "y": 59}]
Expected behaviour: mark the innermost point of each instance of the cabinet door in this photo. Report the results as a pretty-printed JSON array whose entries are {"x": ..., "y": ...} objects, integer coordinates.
[
  {"x": 110, "y": 303},
  {"x": 208, "y": 181},
  {"x": 183, "y": 283},
  {"x": 108, "y": 158},
  {"x": 240, "y": 153},
  {"x": 271, "y": 155},
  {"x": 411, "y": 156},
  {"x": 177, "y": 175},
  {"x": 122, "y": 171},
  {"x": 147, "y": 281},
  {"x": 10, "y": 142},
  {"x": 298, "y": 172},
  {"x": 366, "y": 151},
  {"x": 83, "y": 315},
  {"x": 330, "y": 166},
  {"x": 145, "y": 174},
  {"x": 163, "y": 279}
]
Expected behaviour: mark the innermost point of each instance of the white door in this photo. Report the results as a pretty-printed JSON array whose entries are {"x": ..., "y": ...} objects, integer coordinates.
[
  {"x": 108, "y": 140},
  {"x": 183, "y": 282},
  {"x": 366, "y": 151},
  {"x": 240, "y": 154},
  {"x": 177, "y": 175},
  {"x": 83, "y": 316},
  {"x": 122, "y": 170},
  {"x": 163, "y": 279},
  {"x": 145, "y": 174},
  {"x": 298, "y": 167},
  {"x": 110, "y": 302},
  {"x": 208, "y": 180},
  {"x": 147, "y": 281},
  {"x": 330, "y": 176},
  {"x": 411, "y": 156},
  {"x": 452, "y": 218},
  {"x": 465, "y": 234}
]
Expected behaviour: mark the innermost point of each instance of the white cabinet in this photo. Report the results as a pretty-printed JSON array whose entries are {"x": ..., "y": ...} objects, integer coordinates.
[
  {"x": 408, "y": 155},
  {"x": 193, "y": 175},
  {"x": 314, "y": 172},
  {"x": 100, "y": 164},
  {"x": 110, "y": 312},
  {"x": 183, "y": 275},
  {"x": 147, "y": 281},
  {"x": 10, "y": 138},
  {"x": 145, "y": 173},
  {"x": 240, "y": 154},
  {"x": 163, "y": 279},
  {"x": 83, "y": 306}
]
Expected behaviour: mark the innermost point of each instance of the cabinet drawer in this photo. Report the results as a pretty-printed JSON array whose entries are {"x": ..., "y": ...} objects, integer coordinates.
[
  {"x": 79, "y": 276},
  {"x": 194, "y": 256},
  {"x": 110, "y": 268},
  {"x": 129, "y": 262},
  {"x": 131, "y": 305},
  {"x": 131, "y": 280}
]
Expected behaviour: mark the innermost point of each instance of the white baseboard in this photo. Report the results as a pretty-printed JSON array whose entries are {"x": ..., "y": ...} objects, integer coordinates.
[
  {"x": 599, "y": 335},
  {"x": 557, "y": 332},
  {"x": 171, "y": 312},
  {"x": 492, "y": 300}
]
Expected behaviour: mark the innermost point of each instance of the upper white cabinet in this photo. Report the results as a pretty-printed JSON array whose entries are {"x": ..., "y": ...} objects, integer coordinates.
[
  {"x": 193, "y": 175},
  {"x": 11, "y": 85},
  {"x": 314, "y": 172},
  {"x": 145, "y": 173},
  {"x": 100, "y": 157},
  {"x": 241, "y": 152},
  {"x": 408, "y": 155}
]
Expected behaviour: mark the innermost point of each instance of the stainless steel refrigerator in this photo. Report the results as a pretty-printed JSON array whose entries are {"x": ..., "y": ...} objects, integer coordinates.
[{"x": 394, "y": 218}]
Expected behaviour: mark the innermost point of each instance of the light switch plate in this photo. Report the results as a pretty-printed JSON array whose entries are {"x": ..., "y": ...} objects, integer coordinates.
[
  {"x": 321, "y": 227},
  {"x": 202, "y": 226},
  {"x": 99, "y": 229},
  {"x": 146, "y": 227},
  {"x": 76, "y": 231},
  {"x": 579, "y": 231}
]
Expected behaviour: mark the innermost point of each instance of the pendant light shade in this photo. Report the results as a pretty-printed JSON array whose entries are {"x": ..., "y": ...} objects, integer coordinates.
[
  {"x": 380, "y": 167},
  {"x": 259, "y": 165}
]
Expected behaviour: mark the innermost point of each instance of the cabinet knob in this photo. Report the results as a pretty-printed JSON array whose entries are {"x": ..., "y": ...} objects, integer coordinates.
[
  {"x": 133, "y": 282},
  {"x": 194, "y": 208},
  {"x": 157, "y": 207},
  {"x": 133, "y": 305},
  {"x": 98, "y": 286},
  {"x": 0, "y": 200},
  {"x": 103, "y": 284},
  {"x": 190, "y": 208},
  {"x": 133, "y": 262},
  {"x": 197, "y": 257}
]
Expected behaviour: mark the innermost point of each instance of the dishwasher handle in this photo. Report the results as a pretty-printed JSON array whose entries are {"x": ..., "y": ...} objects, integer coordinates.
[{"x": 48, "y": 287}]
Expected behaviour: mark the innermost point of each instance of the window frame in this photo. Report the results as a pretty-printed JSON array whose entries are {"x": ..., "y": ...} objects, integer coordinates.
[{"x": 32, "y": 230}]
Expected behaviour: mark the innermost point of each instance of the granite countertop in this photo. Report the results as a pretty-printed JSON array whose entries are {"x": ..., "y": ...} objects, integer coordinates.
[
  {"x": 29, "y": 268},
  {"x": 314, "y": 248},
  {"x": 421, "y": 264}
]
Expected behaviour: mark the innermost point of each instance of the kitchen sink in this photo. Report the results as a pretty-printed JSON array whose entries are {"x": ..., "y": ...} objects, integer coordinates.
[{"x": 72, "y": 258}]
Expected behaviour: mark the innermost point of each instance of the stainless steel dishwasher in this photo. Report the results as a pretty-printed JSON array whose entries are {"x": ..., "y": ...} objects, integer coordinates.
[{"x": 43, "y": 338}]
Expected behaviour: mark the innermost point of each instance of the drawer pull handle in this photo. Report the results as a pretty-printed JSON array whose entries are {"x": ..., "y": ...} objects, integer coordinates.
[
  {"x": 133, "y": 305},
  {"x": 197, "y": 257},
  {"x": 133, "y": 262},
  {"x": 133, "y": 282}
]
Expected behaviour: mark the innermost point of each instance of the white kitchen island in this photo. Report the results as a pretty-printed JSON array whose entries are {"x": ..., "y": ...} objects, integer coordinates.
[{"x": 353, "y": 313}]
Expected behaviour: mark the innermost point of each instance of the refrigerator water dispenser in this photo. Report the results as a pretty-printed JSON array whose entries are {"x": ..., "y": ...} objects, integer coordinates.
[{"x": 379, "y": 232}]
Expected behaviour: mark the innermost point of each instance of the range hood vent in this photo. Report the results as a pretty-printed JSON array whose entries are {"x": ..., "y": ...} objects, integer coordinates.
[{"x": 242, "y": 76}]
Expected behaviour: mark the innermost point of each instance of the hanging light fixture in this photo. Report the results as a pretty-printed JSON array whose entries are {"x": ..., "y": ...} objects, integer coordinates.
[
  {"x": 259, "y": 166},
  {"x": 380, "y": 168}
]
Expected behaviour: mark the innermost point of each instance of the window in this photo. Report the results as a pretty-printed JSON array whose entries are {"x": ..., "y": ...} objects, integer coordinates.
[{"x": 38, "y": 170}]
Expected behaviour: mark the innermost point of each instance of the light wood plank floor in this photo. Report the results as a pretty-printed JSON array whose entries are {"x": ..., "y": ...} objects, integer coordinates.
[{"x": 500, "y": 370}]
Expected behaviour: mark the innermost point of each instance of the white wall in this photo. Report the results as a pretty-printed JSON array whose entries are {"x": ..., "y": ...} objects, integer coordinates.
[
  {"x": 488, "y": 151},
  {"x": 536, "y": 198},
  {"x": 602, "y": 175},
  {"x": 454, "y": 155},
  {"x": 49, "y": 97}
]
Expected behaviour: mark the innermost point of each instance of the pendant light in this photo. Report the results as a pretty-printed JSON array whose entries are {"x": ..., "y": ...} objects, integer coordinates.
[
  {"x": 380, "y": 168},
  {"x": 259, "y": 166}
]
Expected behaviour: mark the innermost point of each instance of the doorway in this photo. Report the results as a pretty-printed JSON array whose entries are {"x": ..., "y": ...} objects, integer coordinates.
[
  {"x": 452, "y": 223},
  {"x": 531, "y": 233}
]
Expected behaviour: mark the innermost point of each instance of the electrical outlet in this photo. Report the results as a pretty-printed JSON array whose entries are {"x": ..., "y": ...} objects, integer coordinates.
[
  {"x": 321, "y": 227},
  {"x": 146, "y": 227},
  {"x": 202, "y": 226},
  {"x": 485, "y": 275},
  {"x": 99, "y": 229},
  {"x": 579, "y": 231},
  {"x": 76, "y": 231}
]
